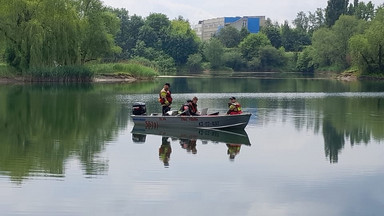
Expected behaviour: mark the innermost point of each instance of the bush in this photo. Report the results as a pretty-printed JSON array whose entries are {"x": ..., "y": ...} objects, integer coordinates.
[
  {"x": 234, "y": 60},
  {"x": 194, "y": 63}
]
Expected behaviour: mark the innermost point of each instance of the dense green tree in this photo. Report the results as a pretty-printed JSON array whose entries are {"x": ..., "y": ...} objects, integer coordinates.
[
  {"x": 304, "y": 61},
  {"x": 316, "y": 20},
  {"x": 98, "y": 27},
  {"x": 180, "y": 41},
  {"x": 233, "y": 59},
  {"x": 128, "y": 34},
  {"x": 294, "y": 39},
  {"x": 149, "y": 36},
  {"x": 244, "y": 33},
  {"x": 39, "y": 33},
  {"x": 331, "y": 45},
  {"x": 367, "y": 49},
  {"x": 364, "y": 11},
  {"x": 343, "y": 30},
  {"x": 229, "y": 36},
  {"x": 194, "y": 63},
  {"x": 273, "y": 34},
  {"x": 271, "y": 58},
  {"x": 252, "y": 44},
  {"x": 46, "y": 33},
  {"x": 334, "y": 9},
  {"x": 213, "y": 51},
  {"x": 321, "y": 43},
  {"x": 301, "y": 22}
]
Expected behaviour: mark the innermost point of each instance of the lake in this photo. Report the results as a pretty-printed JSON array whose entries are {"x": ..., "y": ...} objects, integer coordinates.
[{"x": 312, "y": 147}]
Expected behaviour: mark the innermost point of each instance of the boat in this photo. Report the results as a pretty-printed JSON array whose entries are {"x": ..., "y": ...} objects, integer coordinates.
[
  {"x": 239, "y": 121},
  {"x": 239, "y": 136},
  {"x": 213, "y": 121}
]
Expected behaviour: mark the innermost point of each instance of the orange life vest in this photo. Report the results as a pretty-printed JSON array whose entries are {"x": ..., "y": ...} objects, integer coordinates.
[{"x": 167, "y": 97}]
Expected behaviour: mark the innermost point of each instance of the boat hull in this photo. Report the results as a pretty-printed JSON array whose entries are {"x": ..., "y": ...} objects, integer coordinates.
[{"x": 204, "y": 122}]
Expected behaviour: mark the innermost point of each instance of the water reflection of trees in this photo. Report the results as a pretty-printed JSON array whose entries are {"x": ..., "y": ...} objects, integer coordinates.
[
  {"x": 356, "y": 120},
  {"x": 41, "y": 127}
]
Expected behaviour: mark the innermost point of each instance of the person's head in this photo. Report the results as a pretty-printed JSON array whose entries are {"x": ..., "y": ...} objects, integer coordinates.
[
  {"x": 194, "y": 99},
  {"x": 232, "y": 99},
  {"x": 166, "y": 86}
]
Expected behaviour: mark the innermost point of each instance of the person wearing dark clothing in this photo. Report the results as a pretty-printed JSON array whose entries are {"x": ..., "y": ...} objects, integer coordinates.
[{"x": 185, "y": 109}]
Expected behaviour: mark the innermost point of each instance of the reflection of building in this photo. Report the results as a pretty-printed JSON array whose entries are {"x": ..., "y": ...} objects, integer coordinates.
[{"x": 207, "y": 28}]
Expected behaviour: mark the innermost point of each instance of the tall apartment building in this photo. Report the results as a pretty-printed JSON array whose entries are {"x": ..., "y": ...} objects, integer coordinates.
[{"x": 207, "y": 28}]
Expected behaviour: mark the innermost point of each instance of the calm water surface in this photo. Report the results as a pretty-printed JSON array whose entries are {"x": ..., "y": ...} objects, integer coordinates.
[{"x": 312, "y": 147}]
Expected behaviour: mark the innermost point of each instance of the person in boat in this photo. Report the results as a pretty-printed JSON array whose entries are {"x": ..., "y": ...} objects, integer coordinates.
[
  {"x": 165, "y": 98},
  {"x": 234, "y": 107},
  {"x": 193, "y": 108},
  {"x": 186, "y": 108}
]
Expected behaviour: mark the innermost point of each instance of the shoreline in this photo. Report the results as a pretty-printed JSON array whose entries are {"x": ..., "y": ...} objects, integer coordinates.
[
  {"x": 95, "y": 79},
  {"x": 107, "y": 78}
]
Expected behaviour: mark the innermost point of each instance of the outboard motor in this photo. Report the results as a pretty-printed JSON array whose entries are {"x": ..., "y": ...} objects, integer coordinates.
[{"x": 138, "y": 108}]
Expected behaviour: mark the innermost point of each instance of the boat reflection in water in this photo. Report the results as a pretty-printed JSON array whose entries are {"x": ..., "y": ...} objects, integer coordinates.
[{"x": 234, "y": 139}]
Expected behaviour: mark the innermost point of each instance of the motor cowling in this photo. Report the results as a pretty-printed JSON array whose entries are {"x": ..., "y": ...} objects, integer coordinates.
[{"x": 139, "y": 108}]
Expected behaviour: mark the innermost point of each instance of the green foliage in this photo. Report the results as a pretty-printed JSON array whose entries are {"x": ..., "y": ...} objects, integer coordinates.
[
  {"x": 301, "y": 22},
  {"x": 6, "y": 71},
  {"x": 60, "y": 74},
  {"x": 233, "y": 59},
  {"x": 252, "y": 44},
  {"x": 334, "y": 9},
  {"x": 47, "y": 33},
  {"x": 128, "y": 35},
  {"x": 165, "y": 65},
  {"x": 229, "y": 36},
  {"x": 294, "y": 40},
  {"x": 180, "y": 42},
  {"x": 194, "y": 63},
  {"x": 316, "y": 20},
  {"x": 273, "y": 34},
  {"x": 130, "y": 68},
  {"x": 305, "y": 62},
  {"x": 271, "y": 58},
  {"x": 367, "y": 49},
  {"x": 361, "y": 10},
  {"x": 330, "y": 46},
  {"x": 213, "y": 51},
  {"x": 98, "y": 27}
]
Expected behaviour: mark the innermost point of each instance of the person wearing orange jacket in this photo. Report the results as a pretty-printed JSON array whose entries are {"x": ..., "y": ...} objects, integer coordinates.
[
  {"x": 165, "y": 98},
  {"x": 234, "y": 107}
]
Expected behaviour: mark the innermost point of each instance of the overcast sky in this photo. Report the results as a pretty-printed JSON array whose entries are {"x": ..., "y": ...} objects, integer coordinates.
[{"x": 195, "y": 10}]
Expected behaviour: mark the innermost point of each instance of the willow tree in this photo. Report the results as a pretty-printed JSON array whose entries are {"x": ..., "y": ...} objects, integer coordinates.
[
  {"x": 46, "y": 33},
  {"x": 39, "y": 33}
]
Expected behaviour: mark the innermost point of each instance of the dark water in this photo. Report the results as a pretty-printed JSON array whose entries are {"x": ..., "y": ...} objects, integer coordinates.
[{"x": 312, "y": 147}]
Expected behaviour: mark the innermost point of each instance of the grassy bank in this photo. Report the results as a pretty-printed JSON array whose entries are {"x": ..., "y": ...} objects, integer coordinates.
[
  {"x": 76, "y": 73},
  {"x": 127, "y": 69},
  {"x": 6, "y": 71},
  {"x": 79, "y": 73}
]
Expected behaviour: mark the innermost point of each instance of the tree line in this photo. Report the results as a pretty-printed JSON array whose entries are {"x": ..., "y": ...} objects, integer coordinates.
[{"x": 48, "y": 33}]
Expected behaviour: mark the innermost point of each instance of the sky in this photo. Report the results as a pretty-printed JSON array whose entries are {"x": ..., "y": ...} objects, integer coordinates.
[{"x": 195, "y": 10}]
